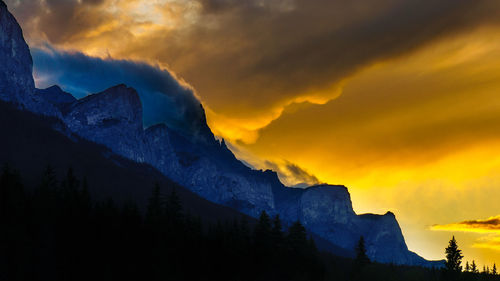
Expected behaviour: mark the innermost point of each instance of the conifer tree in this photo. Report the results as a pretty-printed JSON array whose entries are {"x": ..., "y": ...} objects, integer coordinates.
[
  {"x": 84, "y": 198},
  {"x": 361, "y": 257},
  {"x": 277, "y": 230},
  {"x": 467, "y": 266},
  {"x": 494, "y": 270},
  {"x": 473, "y": 267},
  {"x": 154, "y": 208},
  {"x": 453, "y": 256},
  {"x": 174, "y": 208},
  {"x": 49, "y": 181},
  {"x": 245, "y": 230},
  {"x": 263, "y": 229},
  {"x": 297, "y": 236},
  {"x": 12, "y": 196}
]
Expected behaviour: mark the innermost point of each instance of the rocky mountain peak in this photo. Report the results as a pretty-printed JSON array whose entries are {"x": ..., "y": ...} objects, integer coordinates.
[
  {"x": 56, "y": 96},
  {"x": 117, "y": 105},
  {"x": 16, "y": 78},
  {"x": 112, "y": 118}
]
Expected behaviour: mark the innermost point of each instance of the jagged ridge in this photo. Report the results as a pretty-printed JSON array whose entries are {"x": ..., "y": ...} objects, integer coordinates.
[{"x": 199, "y": 162}]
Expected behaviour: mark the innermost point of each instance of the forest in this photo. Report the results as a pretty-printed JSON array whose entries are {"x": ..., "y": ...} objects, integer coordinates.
[{"x": 56, "y": 231}]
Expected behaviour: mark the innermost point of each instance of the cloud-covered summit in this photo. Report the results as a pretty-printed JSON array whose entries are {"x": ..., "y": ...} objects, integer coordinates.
[{"x": 165, "y": 98}]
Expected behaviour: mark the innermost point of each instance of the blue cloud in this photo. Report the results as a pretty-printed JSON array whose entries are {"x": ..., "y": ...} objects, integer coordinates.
[{"x": 164, "y": 98}]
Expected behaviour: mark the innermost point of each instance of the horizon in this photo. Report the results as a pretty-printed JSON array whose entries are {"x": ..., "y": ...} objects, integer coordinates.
[{"x": 407, "y": 122}]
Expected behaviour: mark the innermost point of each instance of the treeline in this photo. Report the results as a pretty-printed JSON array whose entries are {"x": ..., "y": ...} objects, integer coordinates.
[
  {"x": 454, "y": 270},
  {"x": 55, "y": 231}
]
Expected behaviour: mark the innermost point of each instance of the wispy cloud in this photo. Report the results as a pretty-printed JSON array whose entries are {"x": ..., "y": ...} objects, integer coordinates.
[
  {"x": 489, "y": 227},
  {"x": 488, "y": 242},
  {"x": 292, "y": 174}
]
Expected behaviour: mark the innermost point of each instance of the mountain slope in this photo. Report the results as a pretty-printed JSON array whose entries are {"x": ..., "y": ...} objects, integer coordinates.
[{"x": 113, "y": 118}]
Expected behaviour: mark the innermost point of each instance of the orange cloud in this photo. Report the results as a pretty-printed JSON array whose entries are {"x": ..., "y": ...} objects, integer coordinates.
[
  {"x": 490, "y": 225},
  {"x": 249, "y": 60}
]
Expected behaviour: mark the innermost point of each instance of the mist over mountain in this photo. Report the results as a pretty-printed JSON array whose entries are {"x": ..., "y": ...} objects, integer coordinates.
[
  {"x": 165, "y": 99},
  {"x": 179, "y": 144}
]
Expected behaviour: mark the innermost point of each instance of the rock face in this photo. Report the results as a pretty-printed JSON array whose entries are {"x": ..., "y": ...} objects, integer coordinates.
[
  {"x": 206, "y": 166},
  {"x": 199, "y": 162},
  {"x": 56, "y": 96},
  {"x": 16, "y": 78},
  {"x": 112, "y": 118}
]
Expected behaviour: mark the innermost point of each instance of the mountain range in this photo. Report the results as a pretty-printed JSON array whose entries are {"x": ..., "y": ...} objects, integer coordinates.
[{"x": 194, "y": 159}]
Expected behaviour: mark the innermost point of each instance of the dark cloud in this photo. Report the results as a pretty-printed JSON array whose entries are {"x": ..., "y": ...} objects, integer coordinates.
[
  {"x": 257, "y": 54},
  {"x": 491, "y": 223},
  {"x": 59, "y": 21},
  {"x": 164, "y": 98},
  {"x": 247, "y": 57}
]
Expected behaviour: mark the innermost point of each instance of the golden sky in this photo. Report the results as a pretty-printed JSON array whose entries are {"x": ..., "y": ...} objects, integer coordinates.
[{"x": 397, "y": 99}]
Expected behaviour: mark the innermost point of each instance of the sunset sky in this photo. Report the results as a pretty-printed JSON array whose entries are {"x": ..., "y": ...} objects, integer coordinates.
[{"x": 399, "y": 100}]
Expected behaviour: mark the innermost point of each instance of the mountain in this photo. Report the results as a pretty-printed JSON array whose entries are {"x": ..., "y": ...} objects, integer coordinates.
[
  {"x": 56, "y": 96},
  {"x": 16, "y": 78},
  {"x": 197, "y": 161}
]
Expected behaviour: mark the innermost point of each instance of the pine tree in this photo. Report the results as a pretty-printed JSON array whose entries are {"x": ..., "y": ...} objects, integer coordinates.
[
  {"x": 297, "y": 236},
  {"x": 84, "y": 198},
  {"x": 473, "y": 267},
  {"x": 453, "y": 256},
  {"x": 361, "y": 257},
  {"x": 467, "y": 266},
  {"x": 494, "y": 270},
  {"x": 154, "y": 208},
  {"x": 277, "y": 230},
  {"x": 174, "y": 208},
  {"x": 263, "y": 229},
  {"x": 12, "y": 196},
  {"x": 245, "y": 229},
  {"x": 49, "y": 181},
  {"x": 70, "y": 184}
]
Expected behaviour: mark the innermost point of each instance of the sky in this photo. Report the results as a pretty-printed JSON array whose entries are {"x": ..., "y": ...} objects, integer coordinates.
[{"x": 396, "y": 99}]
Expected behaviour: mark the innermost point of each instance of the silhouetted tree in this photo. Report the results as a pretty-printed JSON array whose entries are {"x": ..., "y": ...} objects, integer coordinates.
[
  {"x": 277, "y": 231},
  {"x": 262, "y": 232},
  {"x": 473, "y": 267},
  {"x": 494, "y": 270},
  {"x": 154, "y": 210},
  {"x": 453, "y": 256},
  {"x": 297, "y": 236},
  {"x": 361, "y": 257},
  {"x": 12, "y": 196},
  {"x": 49, "y": 180},
  {"x": 174, "y": 208}
]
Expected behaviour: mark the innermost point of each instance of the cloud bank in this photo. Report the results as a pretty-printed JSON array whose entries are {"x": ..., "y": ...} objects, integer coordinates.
[
  {"x": 253, "y": 58},
  {"x": 165, "y": 99}
]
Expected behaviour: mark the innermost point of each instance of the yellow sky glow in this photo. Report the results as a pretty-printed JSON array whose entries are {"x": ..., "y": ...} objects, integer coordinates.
[{"x": 414, "y": 130}]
